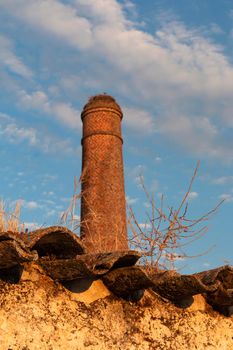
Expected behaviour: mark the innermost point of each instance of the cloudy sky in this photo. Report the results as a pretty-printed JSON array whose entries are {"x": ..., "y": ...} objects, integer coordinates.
[{"x": 168, "y": 63}]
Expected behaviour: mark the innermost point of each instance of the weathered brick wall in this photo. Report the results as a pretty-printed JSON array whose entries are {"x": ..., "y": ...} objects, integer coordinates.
[{"x": 103, "y": 212}]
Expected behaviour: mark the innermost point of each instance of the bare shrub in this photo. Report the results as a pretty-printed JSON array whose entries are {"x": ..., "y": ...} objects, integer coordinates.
[{"x": 166, "y": 232}]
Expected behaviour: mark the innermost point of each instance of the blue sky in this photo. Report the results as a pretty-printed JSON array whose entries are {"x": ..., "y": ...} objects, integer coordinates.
[{"x": 169, "y": 64}]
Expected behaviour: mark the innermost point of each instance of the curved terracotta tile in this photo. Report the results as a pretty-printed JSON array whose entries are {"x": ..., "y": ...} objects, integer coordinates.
[
  {"x": 223, "y": 274},
  {"x": 13, "y": 251},
  {"x": 54, "y": 241},
  {"x": 87, "y": 265},
  {"x": 176, "y": 287},
  {"x": 216, "y": 285},
  {"x": 169, "y": 284},
  {"x": 124, "y": 282},
  {"x": 221, "y": 299}
]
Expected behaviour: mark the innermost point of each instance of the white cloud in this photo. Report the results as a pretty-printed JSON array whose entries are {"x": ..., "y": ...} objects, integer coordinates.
[
  {"x": 193, "y": 129},
  {"x": 223, "y": 180},
  {"x": 146, "y": 205},
  {"x": 136, "y": 174},
  {"x": 54, "y": 18},
  {"x": 103, "y": 12},
  {"x": 145, "y": 226},
  {"x": 48, "y": 193},
  {"x": 19, "y": 134},
  {"x": 49, "y": 207},
  {"x": 10, "y": 60},
  {"x": 169, "y": 59},
  {"x": 51, "y": 212},
  {"x": 192, "y": 195},
  {"x": 171, "y": 69},
  {"x": 36, "y": 100},
  {"x": 131, "y": 8},
  {"x": 130, "y": 200},
  {"x": 135, "y": 171},
  {"x": 47, "y": 143},
  {"x": 154, "y": 185},
  {"x": 67, "y": 115},
  {"x": 56, "y": 145},
  {"x": 197, "y": 134},
  {"x": 177, "y": 72},
  {"x": 49, "y": 177},
  {"x": 216, "y": 29},
  {"x": 227, "y": 197},
  {"x": 31, "y": 205},
  {"x": 138, "y": 120},
  {"x": 206, "y": 264},
  {"x": 4, "y": 117},
  {"x": 61, "y": 111}
]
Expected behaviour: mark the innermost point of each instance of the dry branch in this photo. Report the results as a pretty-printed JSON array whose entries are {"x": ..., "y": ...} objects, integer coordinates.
[{"x": 164, "y": 235}]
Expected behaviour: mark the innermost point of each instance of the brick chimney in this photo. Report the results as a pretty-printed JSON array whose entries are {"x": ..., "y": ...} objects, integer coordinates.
[{"x": 103, "y": 209}]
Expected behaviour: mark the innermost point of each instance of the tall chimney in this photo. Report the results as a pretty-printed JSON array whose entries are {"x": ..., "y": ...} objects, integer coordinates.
[{"x": 103, "y": 209}]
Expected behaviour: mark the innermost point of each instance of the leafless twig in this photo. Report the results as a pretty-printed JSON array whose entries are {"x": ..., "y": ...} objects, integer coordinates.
[{"x": 162, "y": 238}]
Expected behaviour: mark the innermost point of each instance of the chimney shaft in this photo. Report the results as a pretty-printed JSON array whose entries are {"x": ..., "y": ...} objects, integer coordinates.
[{"x": 103, "y": 211}]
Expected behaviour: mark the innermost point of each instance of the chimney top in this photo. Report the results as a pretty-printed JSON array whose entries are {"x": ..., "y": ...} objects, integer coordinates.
[{"x": 101, "y": 101}]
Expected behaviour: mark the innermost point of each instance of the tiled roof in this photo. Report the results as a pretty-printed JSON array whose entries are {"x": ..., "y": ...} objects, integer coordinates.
[{"x": 63, "y": 257}]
